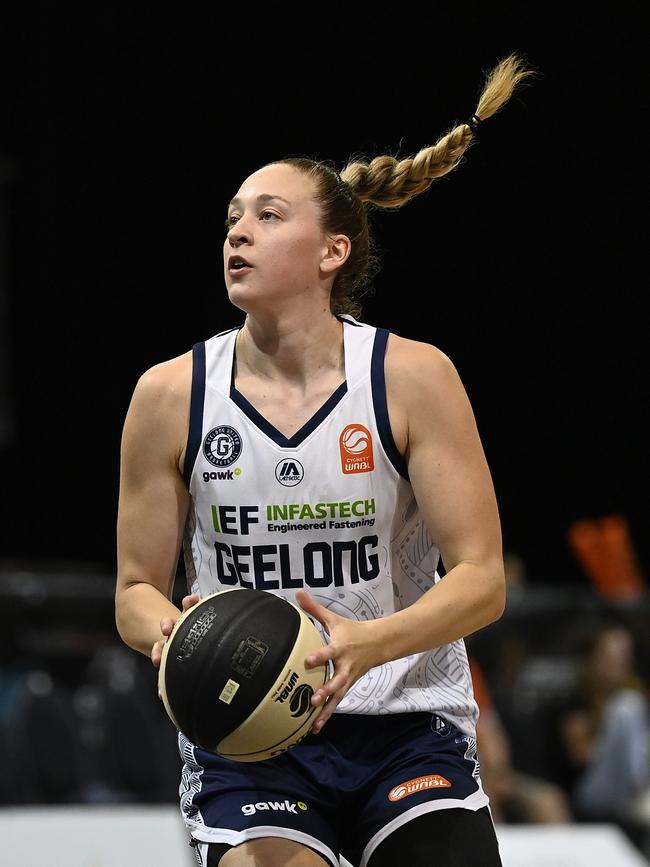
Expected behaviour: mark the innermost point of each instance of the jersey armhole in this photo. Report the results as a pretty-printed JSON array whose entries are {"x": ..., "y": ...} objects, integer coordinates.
[
  {"x": 196, "y": 410},
  {"x": 380, "y": 402}
]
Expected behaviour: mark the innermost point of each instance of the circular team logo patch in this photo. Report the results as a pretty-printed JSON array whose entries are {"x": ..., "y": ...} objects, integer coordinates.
[
  {"x": 289, "y": 472},
  {"x": 222, "y": 446}
]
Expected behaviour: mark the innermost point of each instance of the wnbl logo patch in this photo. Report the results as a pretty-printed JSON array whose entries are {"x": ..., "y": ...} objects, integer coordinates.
[{"x": 355, "y": 444}]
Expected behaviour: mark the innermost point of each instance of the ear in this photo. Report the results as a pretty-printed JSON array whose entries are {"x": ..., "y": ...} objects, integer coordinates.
[{"x": 336, "y": 250}]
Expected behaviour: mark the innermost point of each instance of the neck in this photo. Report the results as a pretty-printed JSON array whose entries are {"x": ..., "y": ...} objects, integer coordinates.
[{"x": 296, "y": 352}]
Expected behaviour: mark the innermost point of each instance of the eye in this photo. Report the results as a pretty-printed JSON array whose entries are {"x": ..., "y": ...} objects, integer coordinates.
[{"x": 230, "y": 221}]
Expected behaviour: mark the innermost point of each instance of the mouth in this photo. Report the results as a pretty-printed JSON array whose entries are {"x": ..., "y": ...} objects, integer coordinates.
[{"x": 238, "y": 265}]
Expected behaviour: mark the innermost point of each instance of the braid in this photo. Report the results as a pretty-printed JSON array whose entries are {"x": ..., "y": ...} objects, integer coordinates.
[{"x": 389, "y": 183}]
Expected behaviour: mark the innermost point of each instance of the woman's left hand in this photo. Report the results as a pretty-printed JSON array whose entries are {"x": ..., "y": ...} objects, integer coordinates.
[{"x": 353, "y": 650}]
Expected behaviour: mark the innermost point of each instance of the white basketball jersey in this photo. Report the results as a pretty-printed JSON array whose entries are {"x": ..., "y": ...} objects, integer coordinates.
[{"x": 329, "y": 509}]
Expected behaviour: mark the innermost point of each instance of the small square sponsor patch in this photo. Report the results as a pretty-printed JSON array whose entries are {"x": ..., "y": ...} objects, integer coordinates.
[{"x": 229, "y": 690}]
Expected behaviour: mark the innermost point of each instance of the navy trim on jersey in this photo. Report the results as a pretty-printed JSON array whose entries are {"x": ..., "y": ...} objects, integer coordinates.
[
  {"x": 196, "y": 410},
  {"x": 341, "y": 318},
  {"x": 272, "y": 432},
  {"x": 378, "y": 380},
  {"x": 228, "y": 330}
]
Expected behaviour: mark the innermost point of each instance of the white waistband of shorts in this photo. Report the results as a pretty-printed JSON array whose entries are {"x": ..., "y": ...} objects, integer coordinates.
[{"x": 234, "y": 838}]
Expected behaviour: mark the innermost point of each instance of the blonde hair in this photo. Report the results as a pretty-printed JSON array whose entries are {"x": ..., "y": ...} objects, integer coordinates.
[{"x": 389, "y": 183}]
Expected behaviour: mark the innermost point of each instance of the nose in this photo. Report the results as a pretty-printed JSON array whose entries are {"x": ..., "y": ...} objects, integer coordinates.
[
  {"x": 237, "y": 234},
  {"x": 236, "y": 238}
]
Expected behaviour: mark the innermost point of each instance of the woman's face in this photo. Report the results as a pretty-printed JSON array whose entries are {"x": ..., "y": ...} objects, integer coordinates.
[{"x": 280, "y": 238}]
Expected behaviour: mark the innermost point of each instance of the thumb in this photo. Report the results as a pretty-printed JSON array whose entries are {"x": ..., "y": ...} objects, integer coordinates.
[{"x": 310, "y": 606}]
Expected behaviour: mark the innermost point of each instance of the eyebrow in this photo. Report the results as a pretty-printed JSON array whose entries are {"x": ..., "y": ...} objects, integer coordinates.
[{"x": 263, "y": 197}]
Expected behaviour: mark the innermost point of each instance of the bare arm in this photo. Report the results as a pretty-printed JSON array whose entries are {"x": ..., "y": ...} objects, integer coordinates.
[
  {"x": 453, "y": 487},
  {"x": 454, "y": 491},
  {"x": 153, "y": 503}
]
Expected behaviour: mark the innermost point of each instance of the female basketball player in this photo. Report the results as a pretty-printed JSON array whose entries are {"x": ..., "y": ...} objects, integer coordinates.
[{"x": 315, "y": 456}]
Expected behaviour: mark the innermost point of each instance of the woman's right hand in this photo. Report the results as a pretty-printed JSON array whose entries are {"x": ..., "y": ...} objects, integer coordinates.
[{"x": 167, "y": 625}]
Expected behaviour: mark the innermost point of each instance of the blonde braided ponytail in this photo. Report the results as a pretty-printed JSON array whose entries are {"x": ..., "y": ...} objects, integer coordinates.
[
  {"x": 389, "y": 183},
  {"x": 385, "y": 182}
]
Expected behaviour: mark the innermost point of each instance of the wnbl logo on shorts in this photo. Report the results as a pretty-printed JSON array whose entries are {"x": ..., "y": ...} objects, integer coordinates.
[{"x": 222, "y": 446}]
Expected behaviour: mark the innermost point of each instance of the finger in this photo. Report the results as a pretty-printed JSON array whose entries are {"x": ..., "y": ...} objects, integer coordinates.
[
  {"x": 310, "y": 606},
  {"x": 167, "y": 625},
  {"x": 326, "y": 692},
  {"x": 320, "y": 657},
  {"x": 328, "y": 710},
  {"x": 156, "y": 654},
  {"x": 189, "y": 601}
]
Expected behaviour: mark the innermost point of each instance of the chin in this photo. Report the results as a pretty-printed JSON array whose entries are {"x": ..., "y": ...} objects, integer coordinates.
[
  {"x": 236, "y": 291},
  {"x": 251, "y": 299},
  {"x": 243, "y": 298}
]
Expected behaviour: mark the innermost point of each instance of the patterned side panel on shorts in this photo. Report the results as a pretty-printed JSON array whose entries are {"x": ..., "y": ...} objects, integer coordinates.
[
  {"x": 197, "y": 852},
  {"x": 470, "y": 754},
  {"x": 191, "y": 782}
]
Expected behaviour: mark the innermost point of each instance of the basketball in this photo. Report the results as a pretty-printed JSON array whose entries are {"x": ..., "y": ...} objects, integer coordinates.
[{"x": 232, "y": 675}]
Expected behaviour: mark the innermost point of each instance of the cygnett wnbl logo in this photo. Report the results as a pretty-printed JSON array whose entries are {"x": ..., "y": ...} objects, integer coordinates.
[{"x": 355, "y": 444}]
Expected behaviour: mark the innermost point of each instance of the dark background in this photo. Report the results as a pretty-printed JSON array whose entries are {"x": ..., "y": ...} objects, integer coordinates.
[{"x": 126, "y": 130}]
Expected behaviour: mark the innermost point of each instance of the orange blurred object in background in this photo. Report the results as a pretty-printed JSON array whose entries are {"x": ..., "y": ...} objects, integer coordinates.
[{"x": 605, "y": 550}]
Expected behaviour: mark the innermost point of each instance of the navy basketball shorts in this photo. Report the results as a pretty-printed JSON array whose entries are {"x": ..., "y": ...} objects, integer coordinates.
[{"x": 341, "y": 792}]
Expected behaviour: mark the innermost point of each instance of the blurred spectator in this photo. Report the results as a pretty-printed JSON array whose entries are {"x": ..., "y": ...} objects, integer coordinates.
[
  {"x": 604, "y": 731},
  {"x": 514, "y": 796}
]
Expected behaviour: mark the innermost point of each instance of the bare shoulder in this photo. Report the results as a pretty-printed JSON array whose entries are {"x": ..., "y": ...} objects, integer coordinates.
[
  {"x": 161, "y": 403},
  {"x": 412, "y": 366},
  {"x": 168, "y": 380},
  {"x": 423, "y": 390}
]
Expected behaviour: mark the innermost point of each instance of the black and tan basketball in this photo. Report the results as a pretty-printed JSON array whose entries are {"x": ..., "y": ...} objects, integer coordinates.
[{"x": 232, "y": 674}]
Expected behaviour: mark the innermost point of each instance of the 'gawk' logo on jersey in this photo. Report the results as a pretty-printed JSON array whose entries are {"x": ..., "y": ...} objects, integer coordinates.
[{"x": 355, "y": 444}]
